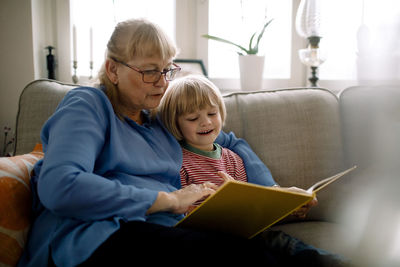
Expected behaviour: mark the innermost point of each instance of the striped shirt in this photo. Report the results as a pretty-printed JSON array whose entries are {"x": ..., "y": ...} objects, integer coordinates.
[{"x": 200, "y": 168}]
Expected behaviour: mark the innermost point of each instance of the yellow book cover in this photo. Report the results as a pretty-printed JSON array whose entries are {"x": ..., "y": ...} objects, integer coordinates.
[{"x": 247, "y": 209}]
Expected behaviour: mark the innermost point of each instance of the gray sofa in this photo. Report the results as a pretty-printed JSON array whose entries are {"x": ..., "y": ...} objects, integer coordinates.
[{"x": 298, "y": 133}]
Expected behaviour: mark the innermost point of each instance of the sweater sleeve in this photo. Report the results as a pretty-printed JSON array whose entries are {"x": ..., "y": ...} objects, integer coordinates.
[
  {"x": 73, "y": 138},
  {"x": 256, "y": 170}
]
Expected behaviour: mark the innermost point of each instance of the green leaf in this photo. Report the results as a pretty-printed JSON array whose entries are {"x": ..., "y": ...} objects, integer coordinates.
[
  {"x": 252, "y": 50},
  {"x": 215, "y": 38},
  {"x": 262, "y": 33},
  {"x": 251, "y": 41}
]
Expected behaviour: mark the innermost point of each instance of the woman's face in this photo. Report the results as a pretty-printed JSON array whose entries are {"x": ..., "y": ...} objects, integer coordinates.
[{"x": 136, "y": 95}]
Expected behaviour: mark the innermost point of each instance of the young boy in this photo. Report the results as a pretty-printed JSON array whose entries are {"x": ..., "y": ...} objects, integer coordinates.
[{"x": 193, "y": 110}]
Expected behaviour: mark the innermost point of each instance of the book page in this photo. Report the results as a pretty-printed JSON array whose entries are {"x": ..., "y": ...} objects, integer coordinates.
[{"x": 323, "y": 183}]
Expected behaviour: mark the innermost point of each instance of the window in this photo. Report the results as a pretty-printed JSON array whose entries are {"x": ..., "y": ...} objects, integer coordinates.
[
  {"x": 236, "y": 20},
  {"x": 242, "y": 20},
  {"x": 349, "y": 48},
  {"x": 94, "y": 21},
  {"x": 350, "y": 28}
]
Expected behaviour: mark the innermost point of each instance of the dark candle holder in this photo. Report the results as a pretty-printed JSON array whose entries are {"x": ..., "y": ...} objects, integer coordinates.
[
  {"x": 74, "y": 77},
  {"x": 50, "y": 63}
]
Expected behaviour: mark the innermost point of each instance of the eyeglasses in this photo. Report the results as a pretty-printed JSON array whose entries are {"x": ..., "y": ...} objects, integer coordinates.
[{"x": 153, "y": 76}]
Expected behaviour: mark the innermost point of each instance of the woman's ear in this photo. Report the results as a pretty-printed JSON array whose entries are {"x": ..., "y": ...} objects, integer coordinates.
[{"x": 111, "y": 70}]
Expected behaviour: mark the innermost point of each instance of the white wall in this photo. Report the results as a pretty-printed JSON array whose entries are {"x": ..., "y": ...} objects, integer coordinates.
[
  {"x": 43, "y": 30},
  {"x": 186, "y": 12},
  {"x": 16, "y": 53},
  {"x": 27, "y": 27}
]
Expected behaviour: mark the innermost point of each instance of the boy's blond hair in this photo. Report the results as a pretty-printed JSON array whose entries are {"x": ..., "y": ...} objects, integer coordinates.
[{"x": 186, "y": 95}]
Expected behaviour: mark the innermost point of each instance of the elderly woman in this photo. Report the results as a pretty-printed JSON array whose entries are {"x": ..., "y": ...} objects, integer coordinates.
[{"x": 108, "y": 189}]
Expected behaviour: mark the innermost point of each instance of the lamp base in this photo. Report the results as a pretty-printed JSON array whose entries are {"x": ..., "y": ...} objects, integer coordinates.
[{"x": 313, "y": 79}]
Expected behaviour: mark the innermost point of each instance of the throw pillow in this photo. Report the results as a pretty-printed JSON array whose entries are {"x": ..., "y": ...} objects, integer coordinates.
[{"x": 15, "y": 204}]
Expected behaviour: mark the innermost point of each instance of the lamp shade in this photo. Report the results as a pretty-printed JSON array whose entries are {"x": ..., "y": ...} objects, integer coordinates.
[{"x": 308, "y": 18}]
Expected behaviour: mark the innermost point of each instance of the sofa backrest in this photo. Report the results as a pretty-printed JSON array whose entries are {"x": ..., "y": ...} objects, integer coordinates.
[
  {"x": 296, "y": 133},
  {"x": 37, "y": 102}
]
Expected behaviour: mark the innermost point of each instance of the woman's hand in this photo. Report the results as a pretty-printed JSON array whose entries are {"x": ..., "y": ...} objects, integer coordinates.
[
  {"x": 179, "y": 201},
  {"x": 302, "y": 212}
]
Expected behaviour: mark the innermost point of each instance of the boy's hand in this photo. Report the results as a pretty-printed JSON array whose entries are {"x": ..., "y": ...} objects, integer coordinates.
[
  {"x": 302, "y": 212},
  {"x": 226, "y": 177}
]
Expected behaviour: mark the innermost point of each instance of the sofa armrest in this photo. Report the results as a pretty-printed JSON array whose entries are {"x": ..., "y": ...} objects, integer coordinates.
[{"x": 37, "y": 102}]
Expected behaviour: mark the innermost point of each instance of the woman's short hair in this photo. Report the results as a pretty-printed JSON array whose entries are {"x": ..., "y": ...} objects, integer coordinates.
[
  {"x": 186, "y": 95},
  {"x": 134, "y": 38},
  {"x": 139, "y": 38}
]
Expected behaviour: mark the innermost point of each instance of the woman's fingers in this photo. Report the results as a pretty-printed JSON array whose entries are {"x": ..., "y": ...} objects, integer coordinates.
[
  {"x": 185, "y": 197},
  {"x": 203, "y": 189},
  {"x": 208, "y": 185}
]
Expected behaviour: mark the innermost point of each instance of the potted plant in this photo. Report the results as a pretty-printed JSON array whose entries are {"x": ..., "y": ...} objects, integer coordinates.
[{"x": 251, "y": 65}]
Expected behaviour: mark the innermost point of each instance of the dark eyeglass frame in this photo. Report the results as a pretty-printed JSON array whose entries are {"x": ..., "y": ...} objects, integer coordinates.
[{"x": 176, "y": 69}]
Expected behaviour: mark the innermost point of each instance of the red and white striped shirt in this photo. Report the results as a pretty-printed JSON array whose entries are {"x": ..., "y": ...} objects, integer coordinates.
[{"x": 197, "y": 169}]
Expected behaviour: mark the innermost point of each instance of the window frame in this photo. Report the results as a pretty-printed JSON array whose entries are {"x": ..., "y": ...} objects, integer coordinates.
[
  {"x": 297, "y": 69},
  {"x": 191, "y": 20},
  {"x": 299, "y": 73}
]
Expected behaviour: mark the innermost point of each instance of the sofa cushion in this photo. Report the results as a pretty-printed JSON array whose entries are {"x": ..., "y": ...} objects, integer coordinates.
[
  {"x": 15, "y": 204},
  {"x": 325, "y": 235},
  {"x": 296, "y": 133},
  {"x": 37, "y": 102}
]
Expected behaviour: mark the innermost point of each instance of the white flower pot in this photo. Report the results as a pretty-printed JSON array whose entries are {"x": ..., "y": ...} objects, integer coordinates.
[{"x": 251, "y": 72}]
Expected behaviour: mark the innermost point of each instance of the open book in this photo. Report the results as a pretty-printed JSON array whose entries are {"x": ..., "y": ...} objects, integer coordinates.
[{"x": 247, "y": 209}]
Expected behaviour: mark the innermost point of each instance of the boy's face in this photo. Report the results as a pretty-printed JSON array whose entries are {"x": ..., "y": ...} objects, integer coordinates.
[{"x": 201, "y": 128}]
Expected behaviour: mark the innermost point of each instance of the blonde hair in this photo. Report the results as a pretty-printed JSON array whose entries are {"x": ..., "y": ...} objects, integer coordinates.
[
  {"x": 134, "y": 38},
  {"x": 186, "y": 95}
]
